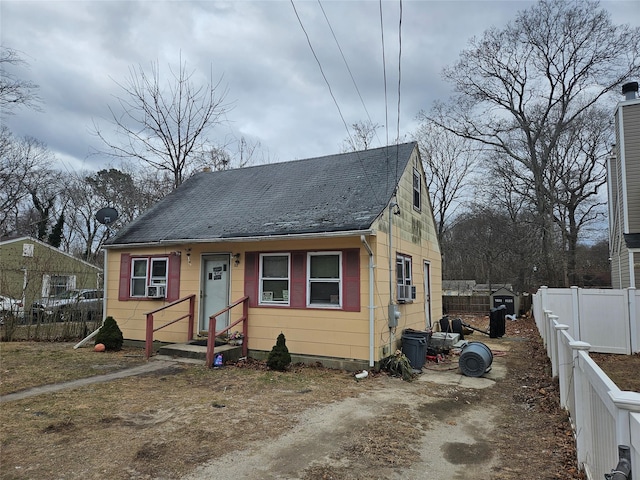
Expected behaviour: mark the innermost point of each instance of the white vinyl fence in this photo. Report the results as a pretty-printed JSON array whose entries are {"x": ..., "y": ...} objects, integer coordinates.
[
  {"x": 607, "y": 319},
  {"x": 603, "y": 417}
]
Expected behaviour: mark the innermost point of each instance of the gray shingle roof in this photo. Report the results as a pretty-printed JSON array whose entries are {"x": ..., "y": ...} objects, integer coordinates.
[{"x": 336, "y": 193}]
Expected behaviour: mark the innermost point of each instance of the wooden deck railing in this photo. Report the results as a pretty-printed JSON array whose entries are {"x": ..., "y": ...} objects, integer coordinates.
[
  {"x": 148, "y": 343},
  {"x": 211, "y": 338}
]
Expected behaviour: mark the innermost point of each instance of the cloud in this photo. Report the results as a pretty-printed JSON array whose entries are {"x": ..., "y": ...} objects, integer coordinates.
[{"x": 77, "y": 51}]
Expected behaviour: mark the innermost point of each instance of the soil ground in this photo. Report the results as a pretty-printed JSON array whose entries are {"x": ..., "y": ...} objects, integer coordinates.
[{"x": 310, "y": 423}]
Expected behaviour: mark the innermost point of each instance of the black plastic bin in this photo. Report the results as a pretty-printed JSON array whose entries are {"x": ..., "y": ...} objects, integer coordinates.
[
  {"x": 497, "y": 321},
  {"x": 426, "y": 334},
  {"x": 415, "y": 349}
]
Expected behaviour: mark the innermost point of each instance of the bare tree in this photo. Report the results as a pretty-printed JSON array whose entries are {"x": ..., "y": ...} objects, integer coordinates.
[
  {"x": 14, "y": 91},
  {"x": 24, "y": 166},
  {"x": 519, "y": 89},
  {"x": 235, "y": 154},
  {"x": 448, "y": 161},
  {"x": 164, "y": 125},
  {"x": 577, "y": 173},
  {"x": 362, "y": 136}
]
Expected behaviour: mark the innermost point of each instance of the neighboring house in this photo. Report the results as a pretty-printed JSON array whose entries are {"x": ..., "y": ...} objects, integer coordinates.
[
  {"x": 623, "y": 178},
  {"x": 488, "y": 288},
  {"x": 467, "y": 296},
  {"x": 308, "y": 241},
  {"x": 457, "y": 288},
  {"x": 31, "y": 269}
]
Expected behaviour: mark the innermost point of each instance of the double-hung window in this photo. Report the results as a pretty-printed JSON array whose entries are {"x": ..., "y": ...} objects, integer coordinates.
[
  {"x": 417, "y": 190},
  {"x": 406, "y": 290},
  {"x": 274, "y": 278},
  {"x": 147, "y": 272},
  {"x": 324, "y": 279}
]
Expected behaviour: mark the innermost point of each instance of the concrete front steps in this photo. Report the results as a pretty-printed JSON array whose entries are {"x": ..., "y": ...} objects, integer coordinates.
[{"x": 197, "y": 353}]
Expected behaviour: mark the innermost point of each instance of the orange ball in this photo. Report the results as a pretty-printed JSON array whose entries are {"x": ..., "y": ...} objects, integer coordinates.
[{"x": 99, "y": 347}]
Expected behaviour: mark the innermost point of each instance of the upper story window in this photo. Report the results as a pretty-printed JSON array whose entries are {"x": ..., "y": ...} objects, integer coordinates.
[
  {"x": 324, "y": 274},
  {"x": 274, "y": 278},
  {"x": 406, "y": 290},
  {"x": 417, "y": 190}
]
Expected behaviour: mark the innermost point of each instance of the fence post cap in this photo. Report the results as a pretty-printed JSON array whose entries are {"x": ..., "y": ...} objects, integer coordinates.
[
  {"x": 554, "y": 317},
  {"x": 625, "y": 400},
  {"x": 561, "y": 326},
  {"x": 578, "y": 345}
]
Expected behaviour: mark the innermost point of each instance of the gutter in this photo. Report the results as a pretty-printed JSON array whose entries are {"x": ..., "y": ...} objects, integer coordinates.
[
  {"x": 371, "y": 300},
  {"x": 262, "y": 238}
]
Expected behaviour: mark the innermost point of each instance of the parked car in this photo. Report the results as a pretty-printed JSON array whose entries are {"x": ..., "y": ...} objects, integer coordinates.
[
  {"x": 69, "y": 305},
  {"x": 10, "y": 306}
]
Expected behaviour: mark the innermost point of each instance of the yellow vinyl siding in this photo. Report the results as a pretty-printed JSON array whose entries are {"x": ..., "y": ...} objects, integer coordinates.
[{"x": 324, "y": 332}]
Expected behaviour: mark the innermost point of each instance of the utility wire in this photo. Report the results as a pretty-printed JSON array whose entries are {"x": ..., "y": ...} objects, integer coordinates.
[
  {"x": 335, "y": 101},
  {"x": 347, "y": 65},
  {"x": 399, "y": 82},
  {"x": 384, "y": 75},
  {"x": 320, "y": 66}
]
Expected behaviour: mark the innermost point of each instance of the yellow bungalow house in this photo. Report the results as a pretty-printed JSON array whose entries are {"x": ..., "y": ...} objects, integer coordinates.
[{"x": 339, "y": 253}]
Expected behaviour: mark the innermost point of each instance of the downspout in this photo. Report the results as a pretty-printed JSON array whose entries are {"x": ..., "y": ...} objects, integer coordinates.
[
  {"x": 393, "y": 310},
  {"x": 371, "y": 304}
]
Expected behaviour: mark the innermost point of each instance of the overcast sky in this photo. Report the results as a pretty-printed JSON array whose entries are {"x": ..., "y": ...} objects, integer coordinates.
[{"x": 78, "y": 50}]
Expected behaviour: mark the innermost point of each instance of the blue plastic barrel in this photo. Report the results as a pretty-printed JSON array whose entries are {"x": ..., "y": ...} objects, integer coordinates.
[{"x": 475, "y": 359}]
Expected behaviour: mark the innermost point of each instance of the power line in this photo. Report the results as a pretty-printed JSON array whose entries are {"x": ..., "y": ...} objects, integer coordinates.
[
  {"x": 384, "y": 75},
  {"x": 399, "y": 82},
  {"x": 335, "y": 101},
  {"x": 320, "y": 66},
  {"x": 346, "y": 65}
]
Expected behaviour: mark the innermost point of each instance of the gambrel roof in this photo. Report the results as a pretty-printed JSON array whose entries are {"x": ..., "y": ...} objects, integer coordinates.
[{"x": 336, "y": 193}]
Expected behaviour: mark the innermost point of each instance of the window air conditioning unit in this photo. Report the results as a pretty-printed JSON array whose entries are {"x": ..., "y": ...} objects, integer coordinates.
[
  {"x": 406, "y": 293},
  {"x": 156, "y": 291}
]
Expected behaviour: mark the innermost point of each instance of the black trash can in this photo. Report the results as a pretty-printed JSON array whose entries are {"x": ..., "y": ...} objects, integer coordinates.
[
  {"x": 426, "y": 334},
  {"x": 415, "y": 349},
  {"x": 497, "y": 321}
]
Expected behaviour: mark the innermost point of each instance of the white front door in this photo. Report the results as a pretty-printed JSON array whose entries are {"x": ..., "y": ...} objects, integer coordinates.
[
  {"x": 427, "y": 294},
  {"x": 214, "y": 291}
]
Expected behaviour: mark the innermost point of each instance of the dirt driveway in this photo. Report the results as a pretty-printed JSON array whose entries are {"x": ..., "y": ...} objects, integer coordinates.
[{"x": 449, "y": 434}]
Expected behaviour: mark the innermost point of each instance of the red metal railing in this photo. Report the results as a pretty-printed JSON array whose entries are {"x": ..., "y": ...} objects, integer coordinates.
[
  {"x": 212, "y": 334},
  {"x": 148, "y": 343}
]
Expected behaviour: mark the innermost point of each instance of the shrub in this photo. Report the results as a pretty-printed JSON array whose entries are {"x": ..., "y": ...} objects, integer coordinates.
[
  {"x": 279, "y": 357},
  {"x": 110, "y": 335}
]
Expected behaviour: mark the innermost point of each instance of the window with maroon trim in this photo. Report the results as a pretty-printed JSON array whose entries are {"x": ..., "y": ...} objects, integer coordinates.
[
  {"x": 274, "y": 278},
  {"x": 324, "y": 279},
  {"x": 138, "y": 273},
  {"x": 146, "y": 272},
  {"x": 314, "y": 279}
]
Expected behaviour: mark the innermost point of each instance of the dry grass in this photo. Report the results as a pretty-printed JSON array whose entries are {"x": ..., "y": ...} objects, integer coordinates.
[
  {"x": 152, "y": 426},
  {"x": 29, "y": 364}
]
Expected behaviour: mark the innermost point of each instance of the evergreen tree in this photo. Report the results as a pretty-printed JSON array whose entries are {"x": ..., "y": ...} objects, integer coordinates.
[
  {"x": 279, "y": 357},
  {"x": 110, "y": 335}
]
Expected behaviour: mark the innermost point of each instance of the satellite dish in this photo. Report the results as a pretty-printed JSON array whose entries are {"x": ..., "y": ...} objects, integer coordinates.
[{"x": 107, "y": 215}]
